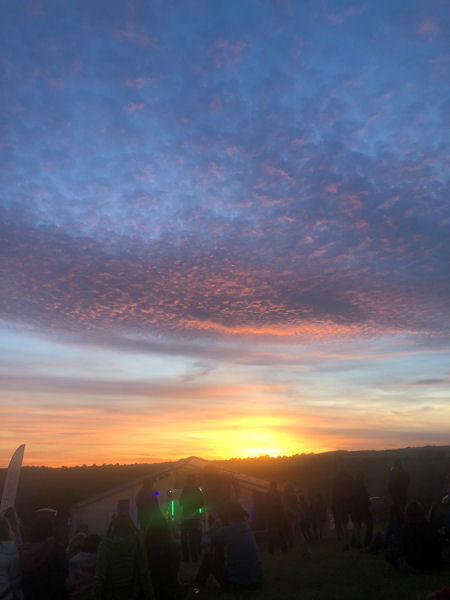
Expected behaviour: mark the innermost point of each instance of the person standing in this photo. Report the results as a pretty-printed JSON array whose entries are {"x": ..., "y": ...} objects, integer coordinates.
[
  {"x": 146, "y": 502},
  {"x": 341, "y": 503},
  {"x": 43, "y": 562},
  {"x": 163, "y": 558},
  {"x": 360, "y": 512},
  {"x": 122, "y": 570},
  {"x": 319, "y": 510},
  {"x": 398, "y": 484},
  {"x": 275, "y": 519},
  {"x": 191, "y": 502}
]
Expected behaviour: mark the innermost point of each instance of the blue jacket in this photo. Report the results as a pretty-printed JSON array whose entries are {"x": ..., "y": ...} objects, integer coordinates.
[{"x": 241, "y": 554}]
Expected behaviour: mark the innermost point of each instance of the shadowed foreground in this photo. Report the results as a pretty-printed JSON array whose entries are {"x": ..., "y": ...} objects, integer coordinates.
[{"x": 330, "y": 574}]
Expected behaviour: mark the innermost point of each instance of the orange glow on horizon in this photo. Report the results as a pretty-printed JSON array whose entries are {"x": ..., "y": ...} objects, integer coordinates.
[{"x": 114, "y": 430}]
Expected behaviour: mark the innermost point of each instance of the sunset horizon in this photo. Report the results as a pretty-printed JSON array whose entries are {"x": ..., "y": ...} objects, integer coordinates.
[
  {"x": 224, "y": 228},
  {"x": 221, "y": 459}
]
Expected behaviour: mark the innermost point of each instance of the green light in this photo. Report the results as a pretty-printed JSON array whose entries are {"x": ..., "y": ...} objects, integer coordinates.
[{"x": 172, "y": 510}]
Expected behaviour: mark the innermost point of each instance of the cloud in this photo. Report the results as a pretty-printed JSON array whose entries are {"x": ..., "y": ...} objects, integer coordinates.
[
  {"x": 139, "y": 82},
  {"x": 262, "y": 207},
  {"x": 132, "y": 107},
  {"x": 429, "y": 28},
  {"x": 135, "y": 35}
]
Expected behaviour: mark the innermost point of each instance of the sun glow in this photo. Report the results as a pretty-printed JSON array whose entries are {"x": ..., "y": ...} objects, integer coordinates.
[{"x": 261, "y": 441}]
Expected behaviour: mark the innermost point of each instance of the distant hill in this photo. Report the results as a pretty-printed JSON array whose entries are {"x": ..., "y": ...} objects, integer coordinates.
[
  {"x": 59, "y": 488},
  {"x": 428, "y": 466}
]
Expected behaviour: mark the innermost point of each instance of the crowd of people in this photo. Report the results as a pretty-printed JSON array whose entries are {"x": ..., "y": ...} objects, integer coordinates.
[{"x": 143, "y": 562}]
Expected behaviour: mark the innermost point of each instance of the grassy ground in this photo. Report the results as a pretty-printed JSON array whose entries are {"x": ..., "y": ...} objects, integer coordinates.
[{"x": 330, "y": 574}]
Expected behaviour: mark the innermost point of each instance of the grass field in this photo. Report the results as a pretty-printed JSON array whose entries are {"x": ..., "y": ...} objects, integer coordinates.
[{"x": 331, "y": 574}]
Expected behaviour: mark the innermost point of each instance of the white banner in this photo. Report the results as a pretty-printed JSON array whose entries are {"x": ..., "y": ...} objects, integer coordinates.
[{"x": 12, "y": 479}]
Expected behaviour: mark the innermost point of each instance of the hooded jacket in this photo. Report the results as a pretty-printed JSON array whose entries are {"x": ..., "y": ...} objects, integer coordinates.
[
  {"x": 44, "y": 570},
  {"x": 122, "y": 571}
]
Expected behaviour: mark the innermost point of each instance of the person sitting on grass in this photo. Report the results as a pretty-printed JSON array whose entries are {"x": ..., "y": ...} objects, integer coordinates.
[
  {"x": 240, "y": 568},
  {"x": 416, "y": 548},
  {"x": 419, "y": 545}
]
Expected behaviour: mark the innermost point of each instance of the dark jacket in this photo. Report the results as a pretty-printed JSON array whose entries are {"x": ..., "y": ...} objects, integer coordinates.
[
  {"x": 44, "y": 568},
  {"x": 122, "y": 571},
  {"x": 420, "y": 547},
  {"x": 191, "y": 501}
]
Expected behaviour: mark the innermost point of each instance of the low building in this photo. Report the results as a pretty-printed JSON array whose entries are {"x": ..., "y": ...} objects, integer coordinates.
[{"x": 94, "y": 514}]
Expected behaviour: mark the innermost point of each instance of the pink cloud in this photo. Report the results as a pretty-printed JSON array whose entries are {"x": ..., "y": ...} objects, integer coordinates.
[
  {"x": 299, "y": 142},
  {"x": 130, "y": 34},
  {"x": 226, "y": 52},
  {"x": 279, "y": 172},
  {"x": 333, "y": 188},
  {"x": 233, "y": 150},
  {"x": 139, "y": 82},
  {"x": 132, "y": 107},
  {"x": 429, "y": 27},
  {"x": 215, "y": 104},
  {"x": 34, "y": 8},
  {"x": 57, "y": 83},
  {"x": 339, "y": 18}
]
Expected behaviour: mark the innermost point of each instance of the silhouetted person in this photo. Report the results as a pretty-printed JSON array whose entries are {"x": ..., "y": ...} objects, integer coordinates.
[
  {"x": 191, "y": 501},
  {"x": 291, "y": 511},
  {"x": 306, "y": 517},
  {"x": 43, "y": 562},
  {"x": 82, "y": 569},
  {"x": 259, "y": 518},
  {"x": 163, "y": 558},
  {"x": 293, "y": 524},
  {"x": 319, "y": 511},
  {"x": 218, "y": 490},
  {"x": 398, "y": 484},
  {"x": 10, "y": 584},
  {"x": 360, "y": 511},
  {"x": 275, "y": 519},
  {"x": 122, "y": 571},
  {"x": 146, "y": 502},
  {"x": 394, "y": 529},
  {"x": 342, "y": 503},
  {"x": 240, "y": 566}
]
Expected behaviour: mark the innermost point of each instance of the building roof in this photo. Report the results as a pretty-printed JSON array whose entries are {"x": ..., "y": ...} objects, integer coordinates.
[{"x": 191, "y": 462}]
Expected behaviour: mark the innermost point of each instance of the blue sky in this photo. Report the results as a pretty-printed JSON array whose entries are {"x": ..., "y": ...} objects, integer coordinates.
[{"x": 224, "y": 227}]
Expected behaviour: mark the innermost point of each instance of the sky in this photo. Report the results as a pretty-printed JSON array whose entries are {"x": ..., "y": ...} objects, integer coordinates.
[{"x": 224, "y": 228}]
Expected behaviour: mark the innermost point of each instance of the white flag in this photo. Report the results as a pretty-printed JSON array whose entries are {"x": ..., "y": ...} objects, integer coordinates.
[{"x": 12, "y": 479}]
